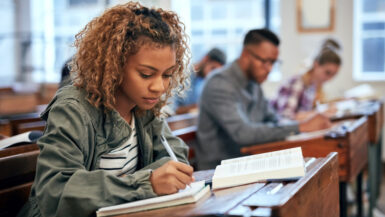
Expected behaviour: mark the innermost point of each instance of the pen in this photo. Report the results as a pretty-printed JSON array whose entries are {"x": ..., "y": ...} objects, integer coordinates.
[
  {"x": 170, "y": 152},
  {"x": 168, "y": 148}
]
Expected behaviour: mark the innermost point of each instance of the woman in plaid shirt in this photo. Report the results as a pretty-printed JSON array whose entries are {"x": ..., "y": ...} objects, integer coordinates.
[{"x": 299, "y": 95}]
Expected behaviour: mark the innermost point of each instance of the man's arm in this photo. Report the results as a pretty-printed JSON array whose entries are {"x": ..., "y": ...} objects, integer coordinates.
[{"x": 219, "y": 99}]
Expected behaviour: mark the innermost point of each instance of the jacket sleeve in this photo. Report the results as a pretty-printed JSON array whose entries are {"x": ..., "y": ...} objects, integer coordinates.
[
  {"x": 219, "y": 100},
  {"x": 63, "y": 186}
]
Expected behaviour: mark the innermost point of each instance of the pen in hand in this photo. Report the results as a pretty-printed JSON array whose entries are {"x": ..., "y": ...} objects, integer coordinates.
[
  {"x": 168, "y": 148},
  {"x": 170, "y": 152}
]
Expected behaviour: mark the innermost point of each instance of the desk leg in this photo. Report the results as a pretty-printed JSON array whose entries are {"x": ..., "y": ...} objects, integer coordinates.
[
  {"x": 373, "y": 177},
  {"x": 379, "y": 166},
  {"x": 359, "y": 195},
  {"x": 343, "y": 200}
]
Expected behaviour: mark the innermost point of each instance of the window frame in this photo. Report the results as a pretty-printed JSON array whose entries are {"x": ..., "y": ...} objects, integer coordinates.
[{"x": 358, "y": 37}]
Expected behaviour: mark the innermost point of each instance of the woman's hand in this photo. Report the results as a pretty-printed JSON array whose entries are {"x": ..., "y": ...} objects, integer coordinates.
[
  {"x": 315, "y": 122},
  {"x": 171, "y": 177}
]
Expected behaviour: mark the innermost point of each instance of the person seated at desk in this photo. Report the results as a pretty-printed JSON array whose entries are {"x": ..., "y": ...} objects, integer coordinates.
[
  {"x": 298, "y": 96},
  {"x": 101, "y": 145},
  {"x": 214, "y": 59},
  {"x": 234, "y": 112}
]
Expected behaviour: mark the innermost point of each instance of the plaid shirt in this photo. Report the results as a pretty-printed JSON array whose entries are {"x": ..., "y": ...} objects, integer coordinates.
[{"x": 293, "y": 97}]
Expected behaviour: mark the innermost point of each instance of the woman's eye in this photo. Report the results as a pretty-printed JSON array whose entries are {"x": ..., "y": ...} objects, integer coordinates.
[
  {"x": 167, "y": 75},
  {"x": 143, "y": 75}
]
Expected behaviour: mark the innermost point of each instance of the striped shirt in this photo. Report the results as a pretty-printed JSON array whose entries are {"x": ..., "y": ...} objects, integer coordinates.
[{"x": 124, "y": 159}]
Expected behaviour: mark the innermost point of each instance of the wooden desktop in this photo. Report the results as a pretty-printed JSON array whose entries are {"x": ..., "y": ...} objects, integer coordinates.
[
  {"x": 374, "y": 110},
  {"x": 352, "y": 148},
  {"x": 315, "y": 194}
]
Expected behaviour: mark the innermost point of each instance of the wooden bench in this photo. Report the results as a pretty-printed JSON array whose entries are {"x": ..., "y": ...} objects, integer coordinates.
[{"x": 16, "y": 178}]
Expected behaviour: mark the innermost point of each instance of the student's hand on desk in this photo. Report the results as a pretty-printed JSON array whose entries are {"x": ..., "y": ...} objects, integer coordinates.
[
  {"x": 303, "y": 115},
  {"x": 331, "y": 111},
  {"x": 171, "y": 177},
  {"x": 315, "y": 122}
]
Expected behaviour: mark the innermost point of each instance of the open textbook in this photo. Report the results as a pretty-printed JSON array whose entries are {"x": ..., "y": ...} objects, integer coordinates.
[
  {"x": 284, "y": 164},
  {"x": 338, "y": 128},
  {"x": 27, "y": 137},
  {"x": 191, "y": 194}
]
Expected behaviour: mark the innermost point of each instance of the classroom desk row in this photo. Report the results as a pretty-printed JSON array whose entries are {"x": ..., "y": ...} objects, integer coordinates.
[
  {"x": 315, "y": 194},
  {"x": 351, "y": 144},
  {"x": 358, "y": 145}
]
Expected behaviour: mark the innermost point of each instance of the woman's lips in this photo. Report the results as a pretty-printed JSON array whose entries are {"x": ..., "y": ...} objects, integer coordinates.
[{"x": 151, "y": 100}]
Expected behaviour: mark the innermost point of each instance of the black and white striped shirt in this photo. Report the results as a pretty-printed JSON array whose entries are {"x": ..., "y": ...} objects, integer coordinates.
[{"x": 124, "y": 159}]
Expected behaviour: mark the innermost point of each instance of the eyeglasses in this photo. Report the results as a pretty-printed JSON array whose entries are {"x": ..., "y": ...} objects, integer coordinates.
[{"x": 266, "y": 62}]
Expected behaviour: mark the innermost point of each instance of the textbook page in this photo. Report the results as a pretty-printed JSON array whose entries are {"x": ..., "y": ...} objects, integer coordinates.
[
  {"x": 189, "y": 195},
  {"x": 308, "y": 135},
  {"x": 263, "y": 155},
  {"x": 283, "y": 165},
  {"x": 337, "y": 128}
]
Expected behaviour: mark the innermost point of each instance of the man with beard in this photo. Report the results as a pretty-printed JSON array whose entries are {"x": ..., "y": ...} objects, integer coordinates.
[
  {"x": 214, "y": 59},
  {"x": 233, "y": 111}
]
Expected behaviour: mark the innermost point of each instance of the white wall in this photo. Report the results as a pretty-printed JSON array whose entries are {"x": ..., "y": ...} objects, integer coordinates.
[{"x": 297, "y": 46}]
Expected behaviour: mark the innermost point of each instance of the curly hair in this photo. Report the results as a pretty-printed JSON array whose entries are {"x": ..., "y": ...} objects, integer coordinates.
[{"x": 105, "y": 44}]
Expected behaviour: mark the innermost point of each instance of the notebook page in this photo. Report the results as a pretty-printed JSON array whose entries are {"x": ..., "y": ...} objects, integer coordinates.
[{"x": 195, "y": 188}]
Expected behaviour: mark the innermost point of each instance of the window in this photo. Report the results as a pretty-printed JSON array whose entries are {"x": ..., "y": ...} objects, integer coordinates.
[
  {"x": 7, "y": 41},
  {"x": 224, "y": 23},
  {"x": 369, "y": 40},
  {"x": 36, "y": 35}
]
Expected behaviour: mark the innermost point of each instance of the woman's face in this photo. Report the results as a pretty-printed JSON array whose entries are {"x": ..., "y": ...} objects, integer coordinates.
[
  {"x": 147, "y": 76},
  {"x": 324, "y": 72}
]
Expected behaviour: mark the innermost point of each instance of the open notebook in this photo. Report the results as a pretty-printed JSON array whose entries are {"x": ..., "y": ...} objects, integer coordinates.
[
  {"x": 285, "y": 164},
  {"x": 191, "y": 194}
]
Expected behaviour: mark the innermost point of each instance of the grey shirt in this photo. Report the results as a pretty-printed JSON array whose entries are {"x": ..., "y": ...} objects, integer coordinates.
[{"x": 234, "y": 113}]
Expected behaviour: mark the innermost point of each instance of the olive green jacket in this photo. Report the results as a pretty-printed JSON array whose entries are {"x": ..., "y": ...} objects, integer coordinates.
[{"x": 68, "y": 181}]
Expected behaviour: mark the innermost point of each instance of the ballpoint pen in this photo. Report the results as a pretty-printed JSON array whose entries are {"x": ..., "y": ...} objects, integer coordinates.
[
  {"x": 170, "y": 152},
  {"x": 168, "y": 148}
]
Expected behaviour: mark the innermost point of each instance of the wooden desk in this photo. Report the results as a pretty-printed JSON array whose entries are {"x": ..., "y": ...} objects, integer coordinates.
[
  {"x": 352, "y": 148},
  {"x": 185, "y": 126},
  {"x": 182, "y": 121},
  {"x": 15, "y": 103},
  {"x": 13, "y": 122},
  {"x": 374, "y": 111},
  {"x": 313, "y": 195},
  {"x": 16, "y": 178},
  {"x": 5, "y": 127},
  {"x": 14, "y": 150}
]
